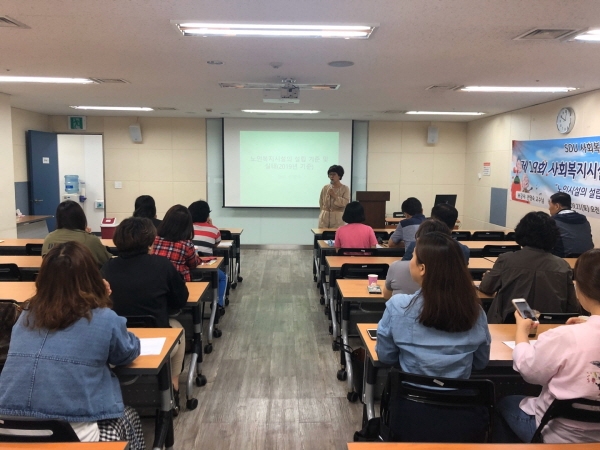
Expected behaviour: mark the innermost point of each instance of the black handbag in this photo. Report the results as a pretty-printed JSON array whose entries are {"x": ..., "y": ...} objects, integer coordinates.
[{"x": 9, "y": 313}]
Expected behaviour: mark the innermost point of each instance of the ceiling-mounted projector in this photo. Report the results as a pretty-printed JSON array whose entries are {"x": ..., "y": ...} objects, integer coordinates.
[{"x": 276, "y": 96}]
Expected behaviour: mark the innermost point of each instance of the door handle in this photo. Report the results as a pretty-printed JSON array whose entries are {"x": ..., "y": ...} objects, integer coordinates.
[{"x": 37, "y": 200}]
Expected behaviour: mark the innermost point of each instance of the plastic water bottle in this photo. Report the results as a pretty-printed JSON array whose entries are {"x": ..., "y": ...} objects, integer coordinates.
[{"x": 72, "y": 184}]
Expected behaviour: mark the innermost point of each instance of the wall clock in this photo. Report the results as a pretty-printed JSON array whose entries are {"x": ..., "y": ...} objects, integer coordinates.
[{"x": 565, "y": 120}]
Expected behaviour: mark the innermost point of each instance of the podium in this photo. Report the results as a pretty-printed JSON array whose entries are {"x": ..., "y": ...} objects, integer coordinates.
[{"x": 374, "y": 204}]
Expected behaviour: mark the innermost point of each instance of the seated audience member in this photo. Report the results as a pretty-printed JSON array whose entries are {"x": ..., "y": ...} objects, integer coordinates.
[
  {"x": 441, "y": 330},
  {"x": 564, "y": 361},
  {"x": 398, "y": 279},
  {"x": 60, "y": 350},
  {"x": 355, "y": 234},
  {"x": 71, "y": 225},
  {"x": 447, "y": 214},
  {"x": 406, "y": 229},
  {"x": 206, "y": 238},
  {"x": 532, "y": 273},
  {"x": 145, "y": 207},
  {"x": 575, "y": 231},
  {"x": 174, "y": 241},
  {"x": 146, "y": 284}
]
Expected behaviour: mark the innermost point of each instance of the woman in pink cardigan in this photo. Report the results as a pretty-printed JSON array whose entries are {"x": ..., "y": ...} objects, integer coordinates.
[{"x": 564, "y": 361}]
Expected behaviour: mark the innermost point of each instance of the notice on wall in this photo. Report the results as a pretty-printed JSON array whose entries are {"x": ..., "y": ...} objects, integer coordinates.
[
  {"x": 487, "y": 169},
  {"x": 542, "y": 168}
]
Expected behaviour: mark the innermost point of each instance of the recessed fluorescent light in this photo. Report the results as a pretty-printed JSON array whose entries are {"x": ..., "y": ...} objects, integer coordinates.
[
  {"x": 589, "y": 35},
  {"x": 281, "y": 111},
  {"x": 114, "y": 108},
  {"x": 516, "y": 89},
  {"x": 446, "y": 113},
  {"x": 266, "y": 30},
  {"x": 9, "y": 79}
]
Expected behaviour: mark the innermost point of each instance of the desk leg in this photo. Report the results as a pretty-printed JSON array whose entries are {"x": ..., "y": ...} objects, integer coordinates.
[
  {"x": 332, "y": 306},
  {"x": 369, "y": 388},
  {"x": 344, "y": 349},
  {"x": 237, "y": 241},
  {"x": 315, "y": 256},
  {"x": 213, "y": 312},
  {"x": 195, "y": 370},
  {"x": 163, "y": 431},
  {"x": 226, "y": 263}
]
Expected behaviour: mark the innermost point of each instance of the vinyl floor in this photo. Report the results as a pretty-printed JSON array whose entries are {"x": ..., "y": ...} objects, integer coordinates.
[{"x": 272, "y": 375}]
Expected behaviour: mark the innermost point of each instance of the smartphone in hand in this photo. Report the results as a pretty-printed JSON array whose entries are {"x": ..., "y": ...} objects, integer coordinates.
[{"x": 526, "y": 312}]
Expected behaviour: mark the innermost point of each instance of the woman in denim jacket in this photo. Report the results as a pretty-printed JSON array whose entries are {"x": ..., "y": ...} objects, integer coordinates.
[{"x": 60, "y": 350}]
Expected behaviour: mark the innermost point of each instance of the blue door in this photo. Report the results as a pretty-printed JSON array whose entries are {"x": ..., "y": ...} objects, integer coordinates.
[{"x": 42, "y": 171}]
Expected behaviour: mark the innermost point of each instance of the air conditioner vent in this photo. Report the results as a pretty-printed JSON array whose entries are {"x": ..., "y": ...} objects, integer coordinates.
[
  {"x": 164, "y": 108},
  {"x": 394, "y": 111},
  {"x": 6, "y": 21},
  {"x": 442, "y": 87},
  {"x": 110, "y": 80},
  {"x": 545, "y": 34}
]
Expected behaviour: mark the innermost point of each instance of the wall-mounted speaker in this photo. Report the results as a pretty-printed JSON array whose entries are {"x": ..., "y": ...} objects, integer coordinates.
[
  {"x": 432, "y": 135},
  {"x": 135, "y": 131}
]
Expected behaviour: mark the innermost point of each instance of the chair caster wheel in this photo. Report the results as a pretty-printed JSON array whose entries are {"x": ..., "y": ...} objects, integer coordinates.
[
  {"x": 335, "y": 346},
  {"x": 322, "y": 301},
  {"x": 192, "y": 403},
  {"x": 217, "y": 333},
  {"x": 342, "y": 375},
  {"x": 330, "y": 329},
  {"x": 327, "y": 309},
  {"x": 240, "y": 279},
  {"x": 233, "y": 286},
  {"x": 227, "y": 301},
  {"x": 314, "y": 278},
  {"x": 318, "y": 284},
  {"x": 208, "y": 348},
  {"x": 200, "y": 380},
  {"x": 352, "y": 397}
]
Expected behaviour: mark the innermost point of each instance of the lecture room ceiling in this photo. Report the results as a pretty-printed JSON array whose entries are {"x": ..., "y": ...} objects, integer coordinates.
[{"x": 419, "y": 43}]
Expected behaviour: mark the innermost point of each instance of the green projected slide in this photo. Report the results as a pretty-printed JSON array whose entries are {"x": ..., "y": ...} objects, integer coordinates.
[{"x": 285, "y": 168}]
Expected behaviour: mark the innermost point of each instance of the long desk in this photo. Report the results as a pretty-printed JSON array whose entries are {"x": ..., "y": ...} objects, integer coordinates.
[
  {"x": 500, "y": 357},
  {"x": 159, "y": 366},
  {"x": 16, "y": 246},
  {"x": 214, "y": 282},
  {"x": 438, "y": 446},
  {"x": 492, "y": 259},
  {"x": 115, "y": 445}
]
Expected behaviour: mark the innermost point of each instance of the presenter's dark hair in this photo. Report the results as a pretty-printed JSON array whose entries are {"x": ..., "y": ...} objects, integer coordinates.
[
  {"x": 587, "y": 274},
  {"x": 412, "y": 206},
  {"x": 446, "y": 213},
  {"x": 70, "y": 215},
  {"x": 68, "y": 287},
  {"x": 354, "y": 213},
  {"x": 431, "y": 226},
  {"x": 449, "y": 299},
  {"x": 145, "y": 207},
  {"x": 200, "y": 211},
  {"x": 177, "y": 224},
  {"x": 538, "y": 230},
  {"x": 561, "y": 198},
  {"x": 134, "y": 234},
  {"x": 336, "y": 169}
]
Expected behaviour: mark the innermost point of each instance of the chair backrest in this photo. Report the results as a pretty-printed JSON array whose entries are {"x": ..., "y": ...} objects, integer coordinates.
[
  {"x": 357, "y": 252},
  {"x": 26, "y": 429},
  {"x": 328, "y": 235},
  {"x": 33, "y": 249},
  {"x": 488, "y": 236},
  {"x": 461, "y": 235},
  {"x": 10, "y": 272},
  {"x": 398, "y": 214},
  {"x": 559, "y": 318},
  {"x": 510, "y": 236},
  {"x": 495, "y": 250},
  {"x": 573, "y": 255},
  {"x": 418, "y": 408},
  {"x": 578, "y": 409},
  {"x": 362, "y": 271},
  {"x": 146, "y": 321},
  {"x": 9, "y": 313},
  {"x": 226, "y": 235},
  {"x": 384, "y": 235}
]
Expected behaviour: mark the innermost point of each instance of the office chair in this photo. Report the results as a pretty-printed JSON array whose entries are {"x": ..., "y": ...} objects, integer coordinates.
[
  {"x": 398, "y": 214},
  {"x": 226, "y": 235},
  {"x": 560, "y": 318},
  {"x": 43, "y": 430},
  {"x": 578, "y": 409},
  {"x": 383, "y": 235},
  {"x": 10, "y": 272},
  {"x": 328, "y": 235},
  {"x": 496, "y": 250},
  {"x": 487, "y": 236},
  {"x": 33, "y": 249},
  {"x": 573, "y": 255},
  {"x": 510, "y": 236},
  {"x": 461, "y": 235},
  {"x": 357, "y": 252},
  {"x": 415, "y": 408}
]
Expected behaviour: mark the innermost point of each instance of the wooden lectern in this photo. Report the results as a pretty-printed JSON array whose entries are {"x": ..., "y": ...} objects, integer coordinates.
[{"x": 374, "y": 204}]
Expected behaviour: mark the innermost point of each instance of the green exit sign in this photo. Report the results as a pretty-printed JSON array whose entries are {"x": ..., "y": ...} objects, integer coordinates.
[{"x": 76, "y": 122}]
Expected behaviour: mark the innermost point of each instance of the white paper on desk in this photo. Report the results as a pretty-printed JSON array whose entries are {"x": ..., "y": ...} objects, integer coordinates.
[
  {"x": 512, "y": 344},
  {"x": 151, "y": 346},
  {"x": 379, "y": 246}
]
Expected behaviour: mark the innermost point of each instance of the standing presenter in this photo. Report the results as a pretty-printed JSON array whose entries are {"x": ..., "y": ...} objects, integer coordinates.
[{"x": 333, "y": 199}]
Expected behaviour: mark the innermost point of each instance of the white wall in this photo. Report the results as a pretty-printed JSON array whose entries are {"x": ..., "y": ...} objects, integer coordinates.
[
  {"x": 490, "y": 139},
  {"x": 8, "y": 226},
  {"x": 82, "y": 155}
]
